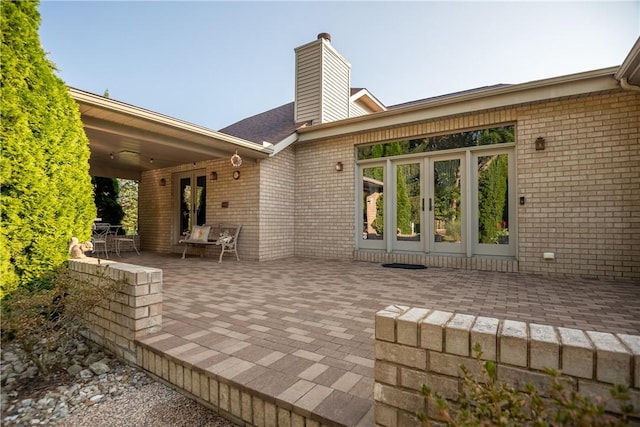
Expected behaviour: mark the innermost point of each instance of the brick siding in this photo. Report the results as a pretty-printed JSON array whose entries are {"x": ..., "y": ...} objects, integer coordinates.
[{"x": 582, "y": 193}]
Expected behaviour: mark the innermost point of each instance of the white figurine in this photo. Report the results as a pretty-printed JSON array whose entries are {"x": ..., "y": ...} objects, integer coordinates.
[{"x": 77, "y": 249}]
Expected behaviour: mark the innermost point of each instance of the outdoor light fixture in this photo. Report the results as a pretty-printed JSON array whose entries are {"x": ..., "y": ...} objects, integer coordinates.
[
  {"x": 214, "y": 176},
  {"x": 339, "y": 167},
  {"x": 236, "y": 160},
  {"x": 163, "y": 182},
  {"x": 151, "y": 160},
  {"x": 111, "y": 156},
  {"x": 540, "y": 142}
]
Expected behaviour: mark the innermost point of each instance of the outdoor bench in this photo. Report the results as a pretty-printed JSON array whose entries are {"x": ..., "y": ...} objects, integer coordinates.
[{"x": 223, "y": 235}]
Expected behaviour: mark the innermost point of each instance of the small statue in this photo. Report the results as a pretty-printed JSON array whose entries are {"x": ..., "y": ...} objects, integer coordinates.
[{"x": 77, "y": 249}]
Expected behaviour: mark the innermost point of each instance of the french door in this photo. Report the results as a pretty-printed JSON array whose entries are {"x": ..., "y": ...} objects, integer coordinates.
[
  {"x": 190, "y": 190},
  {"x": 457, "y": 203},
  {"x": 427, "y": 205}
]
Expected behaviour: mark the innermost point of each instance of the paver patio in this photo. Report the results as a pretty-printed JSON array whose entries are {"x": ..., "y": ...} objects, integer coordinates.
[{"x": 302, "y": 330}]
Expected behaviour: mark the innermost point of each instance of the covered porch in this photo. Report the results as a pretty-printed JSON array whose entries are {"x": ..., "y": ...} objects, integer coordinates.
[{"x": 299, "y": 332}]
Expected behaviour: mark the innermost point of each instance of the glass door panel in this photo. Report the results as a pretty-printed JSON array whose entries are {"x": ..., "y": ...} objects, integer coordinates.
[
  {"x": 200, "y": 200},
  {"x": 192, "y": 196},
  {"x": 446, "y": 205},
  {"x": 372, "y": 207},
  {"x": 493, "y": 197},
  {"x": 408, "y": 215},
  {"x": 494, "y": 230}
]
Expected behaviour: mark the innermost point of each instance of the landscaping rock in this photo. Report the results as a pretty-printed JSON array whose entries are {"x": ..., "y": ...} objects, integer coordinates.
[{"x": 99, "y": 368}]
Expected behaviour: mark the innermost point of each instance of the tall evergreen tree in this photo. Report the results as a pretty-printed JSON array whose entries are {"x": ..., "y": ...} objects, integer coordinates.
[
  {"x": 106, "y": 192},
  {"x": 46, "y": 195}
]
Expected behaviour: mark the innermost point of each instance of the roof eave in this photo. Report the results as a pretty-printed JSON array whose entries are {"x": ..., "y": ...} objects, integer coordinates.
[
  {"x": 629, "y": 70},
  {"x": 87, "y": 98},
  {"x": 540, "y": 90}
]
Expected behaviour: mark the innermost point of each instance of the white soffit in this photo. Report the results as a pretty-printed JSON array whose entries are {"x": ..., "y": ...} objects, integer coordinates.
[{"x": 124, "y": 139}]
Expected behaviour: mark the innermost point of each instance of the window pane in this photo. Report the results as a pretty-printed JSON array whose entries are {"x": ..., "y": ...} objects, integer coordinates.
[
  {"x": 493, "y": 198},
  {"x": 201, "y": 200},
  {"x": 185, "y": 205},
  {"x": 498, "y": 135},
  {"x": 373, "y": 203},
  {"x": 408, "y": 202},
  {"x": 447, "y": 183}
]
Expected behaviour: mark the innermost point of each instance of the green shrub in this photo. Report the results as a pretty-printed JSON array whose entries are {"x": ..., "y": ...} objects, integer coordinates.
[
  {"x": 41, "y": 320},
  {"x": 46, "y": 194},
  {"x": 485, "y": 401}
]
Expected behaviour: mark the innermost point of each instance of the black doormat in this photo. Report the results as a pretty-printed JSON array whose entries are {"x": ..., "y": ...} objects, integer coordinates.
[{"x": 405, "y": 266}]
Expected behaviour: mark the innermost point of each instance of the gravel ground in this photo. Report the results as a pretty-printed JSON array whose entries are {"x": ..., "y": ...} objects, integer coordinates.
[
  {"x": 154, "y": 405},
  {"x": 91, "y": 388}
]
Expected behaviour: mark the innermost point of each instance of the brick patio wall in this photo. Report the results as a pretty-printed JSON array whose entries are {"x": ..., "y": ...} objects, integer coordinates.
[
  {"x": 130, "y": 314},
  {"x": 416, "y": 346},
  {"x": 226, "y": 398}
]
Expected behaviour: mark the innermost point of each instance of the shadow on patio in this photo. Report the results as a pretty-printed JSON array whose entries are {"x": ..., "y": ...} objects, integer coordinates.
[{"x": 300, "y": 332}]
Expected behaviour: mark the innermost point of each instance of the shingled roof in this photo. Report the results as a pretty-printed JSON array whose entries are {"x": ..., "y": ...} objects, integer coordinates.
[
  {"x": 271, "y": 126},
  {"x": 447, "y": 95}
]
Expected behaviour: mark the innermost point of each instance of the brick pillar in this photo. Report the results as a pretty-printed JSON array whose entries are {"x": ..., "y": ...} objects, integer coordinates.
[{"x": 132, "y": 313}]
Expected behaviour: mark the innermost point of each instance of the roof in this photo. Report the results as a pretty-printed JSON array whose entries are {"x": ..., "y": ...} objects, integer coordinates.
[
  {"x": 447, "y": 95},
  {"x": 126, "y": 140},
  {"x": 629, "y": 71},
  {"x": 275, "y": 125},
  {"x": 271, "y": 126},
  {"x": 490, "y": 97}
]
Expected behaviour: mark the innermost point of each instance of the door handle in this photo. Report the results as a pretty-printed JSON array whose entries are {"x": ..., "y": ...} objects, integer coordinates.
[
  {"x": 430, "y": 204},
  {"x": 423, "y": 204}
]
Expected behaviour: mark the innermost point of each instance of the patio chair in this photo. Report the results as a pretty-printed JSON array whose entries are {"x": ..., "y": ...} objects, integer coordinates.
[
  {"x": 228, "y": 239},
  {"x": 99, "y": 238},
  {"x": 127, "y": 240}
]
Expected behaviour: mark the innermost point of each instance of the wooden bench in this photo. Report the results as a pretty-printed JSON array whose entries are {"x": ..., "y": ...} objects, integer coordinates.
[{"x": 223, "y": 235}]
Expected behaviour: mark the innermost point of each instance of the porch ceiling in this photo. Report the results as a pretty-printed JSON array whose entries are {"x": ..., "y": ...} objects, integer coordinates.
[{"x": 126, "y": 140}]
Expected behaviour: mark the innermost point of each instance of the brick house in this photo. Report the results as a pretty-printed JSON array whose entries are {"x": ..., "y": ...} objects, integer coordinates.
[{"x": 540, "y": 177}]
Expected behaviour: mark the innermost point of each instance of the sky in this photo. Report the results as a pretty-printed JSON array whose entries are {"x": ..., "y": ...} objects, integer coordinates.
[{"x": 213, "y": 63}]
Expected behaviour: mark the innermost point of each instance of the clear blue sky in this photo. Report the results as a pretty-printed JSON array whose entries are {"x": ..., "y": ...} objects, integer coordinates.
[{"x": 213, "y": 63}]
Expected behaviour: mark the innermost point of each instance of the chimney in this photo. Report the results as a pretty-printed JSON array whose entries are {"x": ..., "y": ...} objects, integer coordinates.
[{"x": 323, "y": 82}]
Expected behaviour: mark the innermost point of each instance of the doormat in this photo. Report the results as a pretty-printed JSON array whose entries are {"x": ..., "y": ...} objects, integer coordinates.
[{"x": 405, "y": 266}]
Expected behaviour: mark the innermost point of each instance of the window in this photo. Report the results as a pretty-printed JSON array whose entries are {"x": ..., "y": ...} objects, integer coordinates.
[
  {"x": 475, "y": 138},
  {"x": 444, "y": 194}
]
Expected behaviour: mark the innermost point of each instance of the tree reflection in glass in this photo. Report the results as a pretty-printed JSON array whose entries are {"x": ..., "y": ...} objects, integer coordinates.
[{"x": 447, "y": 202}]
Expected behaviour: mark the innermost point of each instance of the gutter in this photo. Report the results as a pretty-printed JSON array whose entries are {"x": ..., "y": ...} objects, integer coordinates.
[
  {"x": 504, "y": 96},
  {"x": 624, "y": 84},
  {"x": 90, "y": 99},
  {"x": 630, "y": 68}
]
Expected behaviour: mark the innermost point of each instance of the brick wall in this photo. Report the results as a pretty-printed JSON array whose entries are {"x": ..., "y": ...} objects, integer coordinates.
[
  {"x": 324, "y": 207},
  {"x": 416, "y": 346},
  {"x": 236, "y": 403},
  {"x": 132, "y": 313},
  {"x": 583, "y": 191},
  {"x": 277, "y": 205}
]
